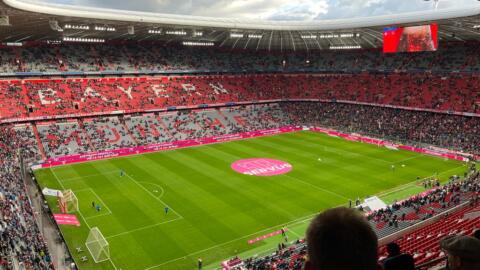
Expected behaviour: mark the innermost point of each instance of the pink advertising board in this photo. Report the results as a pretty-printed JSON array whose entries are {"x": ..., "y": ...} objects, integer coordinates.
[
  {"x": 51, "y": 162},
  {"x": 58, "y": 161},
  {"x": 64, "y": 219}
]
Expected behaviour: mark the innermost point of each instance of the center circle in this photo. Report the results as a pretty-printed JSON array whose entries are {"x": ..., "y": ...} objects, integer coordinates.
[{"x": 261, "y": 166}]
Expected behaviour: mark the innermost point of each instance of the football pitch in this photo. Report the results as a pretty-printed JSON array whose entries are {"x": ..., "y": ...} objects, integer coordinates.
[{"x": 213, "y": 210}]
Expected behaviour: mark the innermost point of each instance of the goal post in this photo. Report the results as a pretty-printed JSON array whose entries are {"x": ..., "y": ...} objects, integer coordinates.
[
  {"x": 68, "y": 202},
  {"x": 97, "y": 245}
]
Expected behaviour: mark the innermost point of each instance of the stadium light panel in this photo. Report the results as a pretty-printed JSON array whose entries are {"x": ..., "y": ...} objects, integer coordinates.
[
  {"x": 14, "y": 44},
  {"x": 345, "y": 47},
  {"x": 176, "y": 32},
  {"x": 197, "y": 43},
  {"x": 255, "y": 35},
  {"x": 155, "y": 31},
  {"x": 104, "y": 28},
  {"x": 309, "y": 36},
  {"x": 79, "y": 39},
  {"x": 343, "y": 35},
  {"x": 476, "y": 26},
  {"x": 76, "y": 27},
  {"x": 54, "y": 41},
  {"x": 236, "y": 35},
  {"x": 197, "y": 33}
]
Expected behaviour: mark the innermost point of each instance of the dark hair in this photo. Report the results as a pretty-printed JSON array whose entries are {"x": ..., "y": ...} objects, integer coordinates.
[
  {"x": 476, "y": 234},
  {"x": 341, "y": 239},
  {"x": 393, "y": 249}
]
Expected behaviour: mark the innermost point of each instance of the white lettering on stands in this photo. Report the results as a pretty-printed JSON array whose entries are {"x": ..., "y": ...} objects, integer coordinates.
[
  {"x": 160, "y": 91},
  {"x": 218, "y": 89},
  {"x": 190, "y": 88},
  {"x": 128, "y": 92},
  {"x": 48, "y": 96},
  {"x": 90, "y": 92}
]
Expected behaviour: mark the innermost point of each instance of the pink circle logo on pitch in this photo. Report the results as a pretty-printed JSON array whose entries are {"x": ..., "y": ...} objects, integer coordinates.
[{"x": 261, "y": 166}]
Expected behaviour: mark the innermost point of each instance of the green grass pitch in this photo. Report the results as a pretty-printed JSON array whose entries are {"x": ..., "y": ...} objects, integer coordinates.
[{"x": 214, "y": 210}]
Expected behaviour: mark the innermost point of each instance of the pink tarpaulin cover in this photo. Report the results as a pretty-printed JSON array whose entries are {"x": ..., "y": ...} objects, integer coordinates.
[{"x": 63, "y": 219}]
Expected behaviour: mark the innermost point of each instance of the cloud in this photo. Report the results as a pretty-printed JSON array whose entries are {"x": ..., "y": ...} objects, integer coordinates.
[
  {"x": 364, "y": 8},
  {"x": 306, "y": 10},
  {"x": 302, "y": 10}
]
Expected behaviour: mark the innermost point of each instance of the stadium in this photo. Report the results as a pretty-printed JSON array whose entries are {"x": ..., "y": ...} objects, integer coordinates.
[{"x": 161, "y": 139}]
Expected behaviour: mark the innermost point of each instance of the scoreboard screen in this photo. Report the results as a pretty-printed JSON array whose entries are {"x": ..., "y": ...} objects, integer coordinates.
[{"x": 410, "y": 39}]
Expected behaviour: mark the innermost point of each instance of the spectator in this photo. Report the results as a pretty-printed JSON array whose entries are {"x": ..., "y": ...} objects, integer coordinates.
[
  {"x": 397, "y": 260},
  {"x": 341, "y": 239},
  {"x": 463, "y": 252}
]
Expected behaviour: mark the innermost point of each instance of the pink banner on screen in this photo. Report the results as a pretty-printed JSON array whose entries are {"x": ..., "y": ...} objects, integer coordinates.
[
  {"x": 63, "y": 219},
  {"x": 51, "y": 162}
]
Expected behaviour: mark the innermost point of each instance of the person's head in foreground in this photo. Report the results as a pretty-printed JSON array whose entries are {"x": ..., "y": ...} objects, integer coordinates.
[
  {"x": 393, "y": 249},
  {"x": 463, "y": 252},
  {"x": 341, "y": 239},
  {"x": 476, "y": 234}
]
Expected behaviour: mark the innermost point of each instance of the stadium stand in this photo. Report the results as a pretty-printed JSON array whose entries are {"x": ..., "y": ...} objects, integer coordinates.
[
  {"x": 458, "y": 93},
  {"x": 21, "y": 244},
  {"x": 26, "y": 136},
  {"x": 106, "y": 133},
  {"x": 417, "y": 100},
  {"x": 148, "y": 56},
  {"x": 420, "y": 128},
  {"x": 437, "y": 200},
  {"x": 450, "y": 131},
  {"x": 61, "y": 138},
  {"x": 285, "y": 257},
  {"x": 42, "y": 97},
  {"x": 422, "y": 243}
]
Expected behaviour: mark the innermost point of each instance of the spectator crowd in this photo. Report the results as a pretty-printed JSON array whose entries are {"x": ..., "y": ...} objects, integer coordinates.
[
  {"x": 150, "y": 56},
  {"x": 411, "y": 127},
  {"x": 21, "y": 244},
  {"x": 59, "y": 97},
  {"x": 342, "y": 238}
]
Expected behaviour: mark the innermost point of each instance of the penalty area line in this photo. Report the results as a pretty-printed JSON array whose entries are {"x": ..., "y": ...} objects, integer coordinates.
[
  {"x": 81, "y": 215},
  {"x": 143, "y": 228}
]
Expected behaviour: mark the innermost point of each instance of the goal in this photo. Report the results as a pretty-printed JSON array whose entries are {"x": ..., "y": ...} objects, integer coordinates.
[
  {"x": 97, "y": 245},
  {"x": 67, "y": 201}
]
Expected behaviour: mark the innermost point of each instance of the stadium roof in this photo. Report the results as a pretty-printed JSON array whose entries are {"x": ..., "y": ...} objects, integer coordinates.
[{"x": 22, "y": 20}]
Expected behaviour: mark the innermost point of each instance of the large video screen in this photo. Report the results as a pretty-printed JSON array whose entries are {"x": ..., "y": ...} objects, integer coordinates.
[{"x": 410, "y": 39}]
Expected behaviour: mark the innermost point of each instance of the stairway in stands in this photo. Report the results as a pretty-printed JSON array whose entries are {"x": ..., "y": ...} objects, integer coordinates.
[{"x": 39, "y": 142}]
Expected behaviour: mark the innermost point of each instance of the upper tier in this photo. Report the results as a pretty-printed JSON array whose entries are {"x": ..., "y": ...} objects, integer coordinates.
[
  {"x": 38, "y": 98},
  {"x": 144, "y": 58}
]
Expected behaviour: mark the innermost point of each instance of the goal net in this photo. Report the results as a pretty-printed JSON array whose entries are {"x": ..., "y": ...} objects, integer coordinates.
[
  {"x": 68, "y": 201},
  {"x": 97, "y": 245}
]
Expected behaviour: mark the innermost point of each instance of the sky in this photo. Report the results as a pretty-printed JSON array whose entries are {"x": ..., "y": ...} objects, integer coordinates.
[{"x": 291, "y": 10}]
